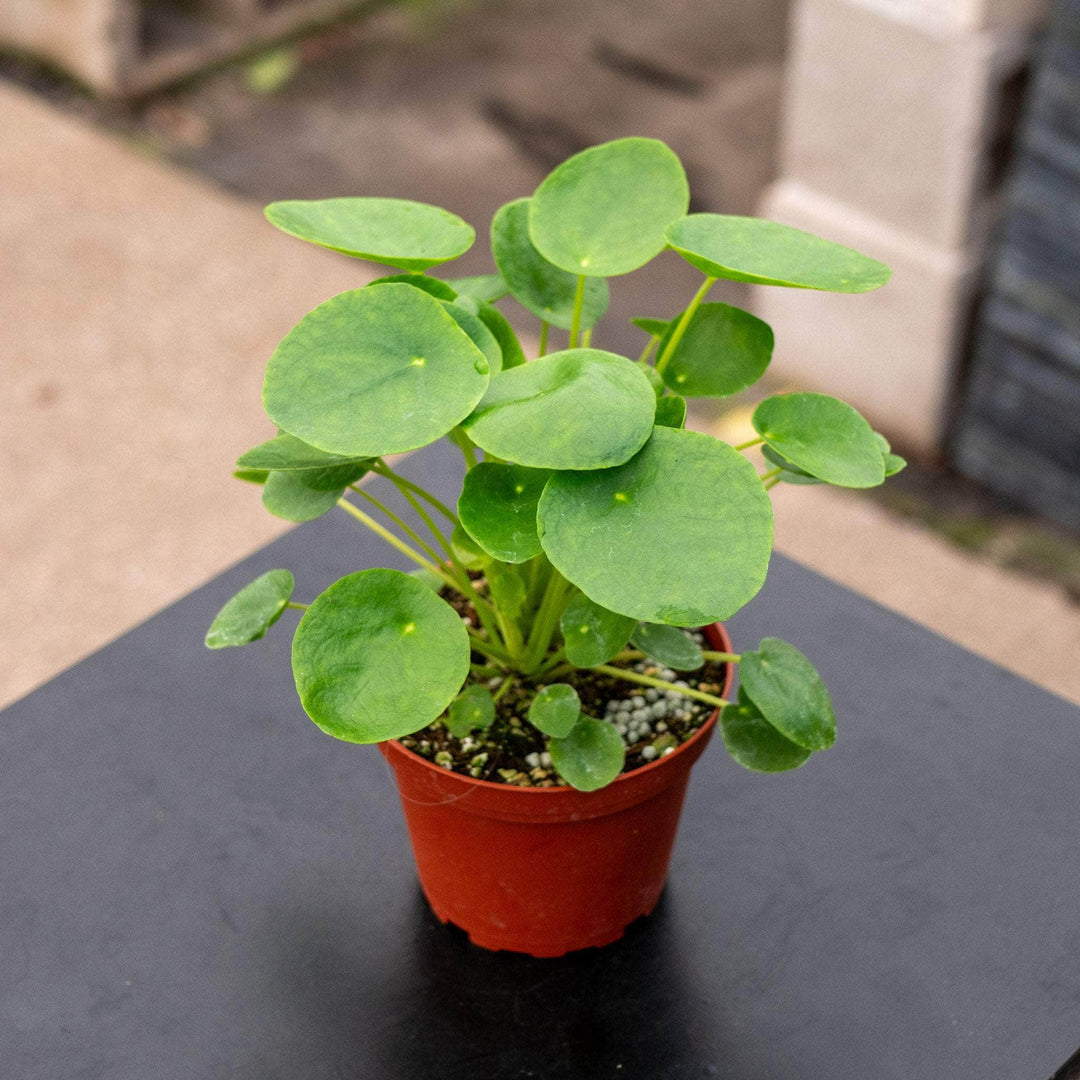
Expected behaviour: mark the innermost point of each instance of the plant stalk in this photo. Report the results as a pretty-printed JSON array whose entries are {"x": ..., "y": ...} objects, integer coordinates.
[
  {"x": 648, "y": 680},
  {"x": 684, "y": 322},
  {"x": 575, "y": 319},
  {"x": 547, "y": 618},
  {"x": 380, "y": 468},
  {"x": 544, "y": 328},
  {"x": 750, "y": 442},
  {"x": 298, "y": 607}
]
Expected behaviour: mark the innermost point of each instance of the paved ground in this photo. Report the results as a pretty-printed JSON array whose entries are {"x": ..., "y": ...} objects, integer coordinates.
[{"x": 138, "y": 306}]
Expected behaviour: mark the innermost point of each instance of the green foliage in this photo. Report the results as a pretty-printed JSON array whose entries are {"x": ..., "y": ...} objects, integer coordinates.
[
  {"x": 252, "y": 611},
  {"x": 589, "y": 518}
]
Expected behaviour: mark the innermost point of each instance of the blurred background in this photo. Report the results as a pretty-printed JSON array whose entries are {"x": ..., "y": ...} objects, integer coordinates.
[{"x": 141, "y": 292}]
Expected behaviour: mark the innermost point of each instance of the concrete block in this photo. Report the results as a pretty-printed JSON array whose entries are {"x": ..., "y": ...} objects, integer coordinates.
[
  {"x": 962, "y": 15},
  {"x": 890, "y": 353},
  {"x": 897, "y": 120}
]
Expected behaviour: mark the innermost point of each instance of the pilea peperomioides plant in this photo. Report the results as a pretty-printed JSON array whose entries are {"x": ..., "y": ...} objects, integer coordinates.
[{"x": 596, "y": 533}]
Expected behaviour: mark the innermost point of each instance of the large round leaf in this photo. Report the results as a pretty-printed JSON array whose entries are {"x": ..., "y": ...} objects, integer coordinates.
[
  {"x": 722, "y": 351},
  {"x": 396, "y": 232},
  {"x": 669, "y": 646},
  {"x": 591, "y": 756},
  {"x": 577, "y": 409},
  {"x": 536, "y": 284},
  {"x": 478, "y": 333},
  {"x": 498, "y": 509},
  {"x": 555, "y": 710},
  {"x": 603, "y": 212},
  {"x": 378, "y": 655},
  {"x": 789, "y": 693},
  {"x": 768, "y": 253},
  {"x": 591, "y": 633},
  {"x": 374, "y": 371},
  {"x": 822, "y": 435},
  {"x": 680, "y": 534},
  {"x": 252, "y": 611},
  {"x": 754, "y": 743},
  {"x": 286, "y": 496}
]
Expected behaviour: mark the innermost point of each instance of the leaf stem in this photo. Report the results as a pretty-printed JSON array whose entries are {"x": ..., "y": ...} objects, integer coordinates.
[
  {"x": 750, "y": 442},
  {"x": 380, "y": 468},
  {"x": 575, "y": 319},
  {"x": 716, "y": 657},
  {"x": 493, "y": 652},
  {"x": 507, "y": 682},
  {"x": 553, "y": 660},
  {"x": 545, "y": 326},
  {"x": 547, "y": 618},
  {"x": 647, "y": 351},
  {"x": 772, "y": 483},
  {"x": 410, "y": 532},
  {"x": 298, "y": 607},
  {"x": 648, "y": 680},
  {"x": 586, "y": 337},
  {"x": 684, "y": 322},
  {"x": 771, "y": 473}
]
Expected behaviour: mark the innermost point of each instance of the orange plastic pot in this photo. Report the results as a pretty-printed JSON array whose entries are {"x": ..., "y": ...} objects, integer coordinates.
[{"x": 545, "y": 871}]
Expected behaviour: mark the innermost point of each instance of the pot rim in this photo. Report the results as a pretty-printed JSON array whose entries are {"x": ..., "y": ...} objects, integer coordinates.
[{"x": 717, "y": 635}]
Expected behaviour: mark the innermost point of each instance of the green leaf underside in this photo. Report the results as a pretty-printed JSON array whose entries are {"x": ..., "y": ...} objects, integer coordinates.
[
  {"x": 768, "y": 253},
  {"x": 336, "y": 478},
  {"x": 374, "y": 371},
  {"x": 252, "y": 611},
  {"x": 378, "y": 655},
  {"x": 681, "y": 534},
  {"x": 478, "y": 333},
  {"x": 472, "y": 710},
  {"x": 286, "y": 496},
  {"x": 822, "y": 435},
  {"x": 288, "y": 453},
  {"x": 252, "y": 476},
  {"x": 893, "y": 464},
  {"x": 555, "y": 710},
  {"x": 789, "y": 693},
  {"x": 432, "y": 286},
  {"x": 536, "y": 284},
  {"x": 755, "y": 744},
  {"x": 467, "y": 551},
  {"x": 577, "y": 409},
  {"x": 652, "y": 327},
  {"x": 512, "y": 353},
  {"x": 671, "y": 411},
  {"x": 498, "y": 509},
  {"x": 591, "y": 756},
  {"x": 397, "y": 232},
  {"x": 668, "y": 645},
  {"x": 603, "y": 211},
  {"x": 482, "y": 287},
  {"x": 592, "y": 634},
  {"x": 723, "y": 350}
]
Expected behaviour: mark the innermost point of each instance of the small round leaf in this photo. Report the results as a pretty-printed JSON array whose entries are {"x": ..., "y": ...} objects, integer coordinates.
[
  {"x": 252, "y": 611},
  {"x": 378, "y": 655},
  {"x": 577, "y": 409},
  {"x": 483, "y": 287},
  {"x": 591, "y": 756},
  {"x": 472, "y": 710},
  {"x": 723, "y": 350},
  {"x": 603, "y": 212},
  {"x": 432, "y": 286},
  {"x": 498, "y": 509},
  {"x": 536, "y": 284},
  {"x": 680, "y": 534},
  {"x": 668, "y": 645},
  {"x": 374, "y": 371},
  {"x": 591, "y": 633},
  {"x": 555, "y": 710},
  {"x": 789, "y": 693},
  {"x": 824, "y": 436},
  {"x": 671, "y": 411},
  {"x": 755, "y": 744},
  {"x": 286, "y": 496},
  {"x": 767, "y": 253},
  {"x": 396, "y": 232}
]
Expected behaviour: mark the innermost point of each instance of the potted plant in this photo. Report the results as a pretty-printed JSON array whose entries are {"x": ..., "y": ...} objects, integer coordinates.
[{"x": 543, "y": 680}]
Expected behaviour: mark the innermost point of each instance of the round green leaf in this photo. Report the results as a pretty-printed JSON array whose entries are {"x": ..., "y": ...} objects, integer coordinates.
[
  {"x": 483, "y": 287},
  {"x": 378, "y": 655},
  {"x": 789, "y": 693},
  {"x": 668, "y": 645},
  {"x": 723, "y": 350},
  {"x": 478, "y": 333},
  {"x": 498, "y": 509},
  {"x": 671, "y": 411},
  {"x": 591, "y": 633},
  {"x": 680, "y": 534},
  {"x": 473, "y": 710},
  {"x": 767, "y": 253},
  {"x": 252, "y": 611},
  {"x": 432, "y": 286},
  {"x": 824, "y": 436},
  {"x": 374, "y": 371},
  {"x": 652, "y": 327},
  {"x": 467, "y": 551},
  {"x": 755, "y": 744},
  {"x": 893, "y": 464},
  {"x": 512, "y": 353},
  {"x": 577, "y": 409},
  {"x": 286, "y": 496},
  {"x": 396, "y": 232},
  {"x": 656, "y": 381},
  {"x": 288, "y": 453},
  {"x": 603, "y": 212},
  {"x": 555, "y": 710},
  {"x": 536, "y": 284},
  {"x": 591, "y": 756}
]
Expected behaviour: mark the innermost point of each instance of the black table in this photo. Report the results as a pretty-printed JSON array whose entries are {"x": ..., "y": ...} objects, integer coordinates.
[{"x": 197, "y": 883}]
